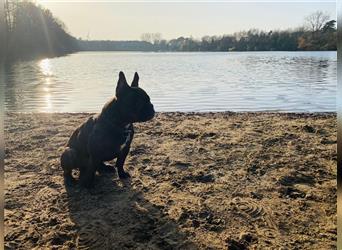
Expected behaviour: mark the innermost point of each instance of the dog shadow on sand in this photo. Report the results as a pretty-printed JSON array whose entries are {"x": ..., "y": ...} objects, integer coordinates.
[{"x": 114, "y": 215}]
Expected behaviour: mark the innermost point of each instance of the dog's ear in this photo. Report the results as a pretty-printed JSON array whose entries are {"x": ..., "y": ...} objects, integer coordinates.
[
  {"x": 135, "y": 82},
  {"x": 122, "y": 84}
]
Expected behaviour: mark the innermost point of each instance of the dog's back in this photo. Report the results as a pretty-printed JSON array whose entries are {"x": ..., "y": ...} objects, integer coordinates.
[{"x": 79, "y": 138}]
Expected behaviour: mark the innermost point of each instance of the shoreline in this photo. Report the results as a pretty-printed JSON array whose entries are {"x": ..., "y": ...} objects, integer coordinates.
[
  {"x": 190, "y": 112},
  {"x": 254, "y": 180}
]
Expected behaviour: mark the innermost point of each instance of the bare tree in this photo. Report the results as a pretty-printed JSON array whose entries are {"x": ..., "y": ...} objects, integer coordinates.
[
  {"x": 146, "y": 37},
  {"x": 316, "y": 21},
  {"x": 7, "y": 23},
  {"x": 156, "y": 38},
  {"x": 10, "y": 8},
  {"x": 151, "y": 37}
]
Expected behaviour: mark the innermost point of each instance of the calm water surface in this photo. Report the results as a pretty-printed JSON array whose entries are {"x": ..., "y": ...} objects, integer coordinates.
[{"x": 238, "y": 81}]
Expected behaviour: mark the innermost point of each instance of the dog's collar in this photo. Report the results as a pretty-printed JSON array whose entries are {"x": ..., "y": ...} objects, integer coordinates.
[{"x": 113, "y": 125}]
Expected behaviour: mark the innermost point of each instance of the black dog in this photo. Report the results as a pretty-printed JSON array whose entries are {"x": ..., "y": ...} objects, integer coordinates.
[{"x": 107, "y": 135}]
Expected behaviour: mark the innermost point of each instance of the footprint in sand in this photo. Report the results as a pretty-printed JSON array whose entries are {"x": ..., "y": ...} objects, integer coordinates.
[
  {"x": 46, "y": 195},
  {"x": 94, "y": 235},
  {"x": 268, "y": 233},
  {"x": 267, "y": 230},
  {"x": 249, "y": 208}
]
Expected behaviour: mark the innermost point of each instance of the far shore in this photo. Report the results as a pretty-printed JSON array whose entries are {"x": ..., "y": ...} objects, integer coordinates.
[
  {"x": 40, "y": 57},
  {"x": 236, "y": 180}
]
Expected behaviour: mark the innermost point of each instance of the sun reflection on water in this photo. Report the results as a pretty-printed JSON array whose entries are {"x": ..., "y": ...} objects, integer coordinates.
[
  {"x": 45, "y": 67},
  {"x": 47, "y": 81}
]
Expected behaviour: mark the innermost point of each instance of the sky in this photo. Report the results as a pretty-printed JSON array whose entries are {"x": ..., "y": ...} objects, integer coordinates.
[{"x": 128, "y": 20}]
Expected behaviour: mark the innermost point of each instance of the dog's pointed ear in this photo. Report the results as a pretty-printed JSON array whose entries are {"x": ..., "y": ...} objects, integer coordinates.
[
  {"x": 122, "y": 85},
  {"x": 135, "y": 82}
]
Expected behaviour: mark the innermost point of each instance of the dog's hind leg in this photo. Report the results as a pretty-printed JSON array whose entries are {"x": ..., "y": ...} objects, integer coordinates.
[
  {"x": 68, "y": 162},
  {"x": 87, "y": 174}
]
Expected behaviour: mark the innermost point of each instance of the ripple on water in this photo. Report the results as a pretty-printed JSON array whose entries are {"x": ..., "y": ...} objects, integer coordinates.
[{"x": 239, "y": 81}]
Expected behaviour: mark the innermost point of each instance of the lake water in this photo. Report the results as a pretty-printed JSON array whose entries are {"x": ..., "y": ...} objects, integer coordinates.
[{"x": 235, "y": 81}]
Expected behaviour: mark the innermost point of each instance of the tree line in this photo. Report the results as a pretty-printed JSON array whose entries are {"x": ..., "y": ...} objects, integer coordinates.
[
  {"x": 100, "y": 45},
  {"x": 30, "y": 31},
  {"x": 317, "y": 33}
]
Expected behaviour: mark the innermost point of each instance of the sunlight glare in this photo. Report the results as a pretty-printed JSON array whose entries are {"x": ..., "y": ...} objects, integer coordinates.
[
  {"x": 47, "y": 81},
  {"x": 45, "y": 67}
]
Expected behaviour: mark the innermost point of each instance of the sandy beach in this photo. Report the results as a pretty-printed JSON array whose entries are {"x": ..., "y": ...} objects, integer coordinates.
[{"x": 199, "y": 181}]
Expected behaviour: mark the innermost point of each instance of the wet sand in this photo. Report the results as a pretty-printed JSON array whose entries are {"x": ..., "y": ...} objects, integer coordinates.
[{"x": 199, "y": 181}]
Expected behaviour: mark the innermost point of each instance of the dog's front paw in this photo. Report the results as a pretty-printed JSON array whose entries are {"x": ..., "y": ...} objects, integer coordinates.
[{"x": 124, "y": 175}]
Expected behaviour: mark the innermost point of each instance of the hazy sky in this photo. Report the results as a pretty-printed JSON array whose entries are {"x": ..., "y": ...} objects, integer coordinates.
[{"x": 127, "y": 21}]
